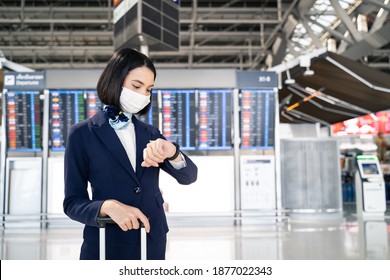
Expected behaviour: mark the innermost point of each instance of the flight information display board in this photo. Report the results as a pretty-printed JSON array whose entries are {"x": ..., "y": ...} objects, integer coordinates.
[
  {"x": 152, "y": 116},
  {"x": 178, "y": 117},
  {"x": 67, "y": 107},
  {"x": 215, "y": 119},
  {"x": 93, "y": 103},
  {"x": 257, "y": 118},
  {"x": 24, "y": 121}
]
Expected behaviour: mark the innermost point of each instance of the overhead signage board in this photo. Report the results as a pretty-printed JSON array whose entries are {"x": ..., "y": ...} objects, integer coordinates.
[
  {"x": 25, "y": 80},
  {"x": 256, "y": 79}
]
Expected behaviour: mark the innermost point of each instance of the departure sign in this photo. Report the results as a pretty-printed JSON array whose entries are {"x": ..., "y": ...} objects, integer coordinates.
[
  {"x": 178, "y": 117},
  {"x": 257, "y": 118},
  {"x": 67, "y": 107},
  {"x": 24, "y": 129},
  {"x": 215, "y": 124}
]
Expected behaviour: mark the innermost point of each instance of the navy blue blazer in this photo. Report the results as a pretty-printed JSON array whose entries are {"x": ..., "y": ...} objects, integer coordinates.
[{"x": 94, "y": 153}]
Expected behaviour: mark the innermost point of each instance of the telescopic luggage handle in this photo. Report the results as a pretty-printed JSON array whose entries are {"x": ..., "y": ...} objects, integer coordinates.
[{"x": 102, "y": 222}]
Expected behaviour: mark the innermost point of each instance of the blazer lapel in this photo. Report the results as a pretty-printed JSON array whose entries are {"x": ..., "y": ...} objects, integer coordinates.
[{"x": 107, "y": 135}]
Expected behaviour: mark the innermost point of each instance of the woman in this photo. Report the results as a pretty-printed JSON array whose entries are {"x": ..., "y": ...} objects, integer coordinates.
[{"x": 121, "y": 157}]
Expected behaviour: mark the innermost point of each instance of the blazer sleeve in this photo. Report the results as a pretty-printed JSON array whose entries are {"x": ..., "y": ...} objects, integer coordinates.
[
  {"x": 186, "y": 175},
  {"x": 77, "y": 204}
]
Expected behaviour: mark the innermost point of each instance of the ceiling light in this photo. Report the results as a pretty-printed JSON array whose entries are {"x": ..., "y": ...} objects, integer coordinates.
[
  {"x": 289, "y": 81},
  {"x": 305, "y": 61},
  {"x": 308, "y": 72}
]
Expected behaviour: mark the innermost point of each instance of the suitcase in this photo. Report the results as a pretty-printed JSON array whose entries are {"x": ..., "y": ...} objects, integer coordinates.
[{"x": 102, "y": 237}]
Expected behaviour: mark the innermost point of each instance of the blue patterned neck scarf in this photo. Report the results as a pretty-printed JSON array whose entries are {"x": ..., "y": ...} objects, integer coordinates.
[{"x": 117, "y": 119}]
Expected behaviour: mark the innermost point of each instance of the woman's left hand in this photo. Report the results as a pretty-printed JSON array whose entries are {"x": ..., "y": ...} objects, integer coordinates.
[{"x": 157, "y": 151}]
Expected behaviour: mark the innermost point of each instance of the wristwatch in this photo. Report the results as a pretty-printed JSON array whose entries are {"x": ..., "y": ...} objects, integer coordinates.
[{"x": 176, "y": 153}]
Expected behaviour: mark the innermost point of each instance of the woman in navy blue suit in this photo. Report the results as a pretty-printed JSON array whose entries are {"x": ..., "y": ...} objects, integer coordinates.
[{"x": 121, "y": 157}]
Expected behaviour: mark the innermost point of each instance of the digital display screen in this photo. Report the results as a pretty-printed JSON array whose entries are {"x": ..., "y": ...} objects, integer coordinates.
[
  {"x": 370, "y": 168},
  {"x": 178, "y": 117},
  {"x": 24, "y": 121},
  {"x": 152, "y": 116},
  {"x": 67, "y": 107},
  {"x": 93, "y": 103},
  {"x": 215, "y": 119},
  {"x": 257, "y": 119}
]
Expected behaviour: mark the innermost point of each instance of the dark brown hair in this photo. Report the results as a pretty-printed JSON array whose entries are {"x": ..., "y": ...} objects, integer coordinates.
[{"x": 109, "y": 86}]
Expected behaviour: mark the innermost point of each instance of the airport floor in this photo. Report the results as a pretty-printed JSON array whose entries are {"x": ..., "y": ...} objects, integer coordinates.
[{"x": 293, "y": 238}]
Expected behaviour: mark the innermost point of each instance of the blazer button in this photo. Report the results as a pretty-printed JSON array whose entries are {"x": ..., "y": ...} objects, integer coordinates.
[{"x": 137, "y": 190}]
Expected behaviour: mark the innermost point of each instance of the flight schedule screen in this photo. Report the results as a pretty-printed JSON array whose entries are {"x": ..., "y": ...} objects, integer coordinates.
[
  {"x": 93, "y": 102},
  {"x": 215, "y": 119},
  {"x": 178, "y": 117},
  {"x": 67, "y": 107},
  {"x": 24, "y": 121},
  {"x": 257, "y": 118},
  {"x": 152, "y": 116}
]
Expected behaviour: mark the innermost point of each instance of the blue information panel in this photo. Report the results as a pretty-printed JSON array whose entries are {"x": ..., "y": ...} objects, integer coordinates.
[
  {"x": 93, "y": 102},
  {"x": 23, "y": 121},
  {"x": 257, "y": 119},
  {"x": 152, "y": 116},
  {"x": 178, "y": 117},
  {"x": 215, "y": 119},
  {"x": 67, "y": 107}
]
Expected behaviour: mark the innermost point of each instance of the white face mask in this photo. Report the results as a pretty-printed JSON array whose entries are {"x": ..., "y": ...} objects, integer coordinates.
[{"x": 133, "y": 102}]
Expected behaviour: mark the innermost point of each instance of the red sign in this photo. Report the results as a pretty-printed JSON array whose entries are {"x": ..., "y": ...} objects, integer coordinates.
[{"x": 368, "y": 124}]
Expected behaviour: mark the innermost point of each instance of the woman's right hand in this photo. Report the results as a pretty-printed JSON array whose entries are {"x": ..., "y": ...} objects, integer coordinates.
[{"x": 126, "y": 216}]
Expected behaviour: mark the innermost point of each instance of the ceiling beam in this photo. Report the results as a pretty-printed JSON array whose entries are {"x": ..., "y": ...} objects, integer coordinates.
[
  {"x": 227, "y": 9},
  {"x": 316, "y": 40},
  {"x": 380, "y": 4},
  {"x": 231, "y": 21},
  {"x": 47, "y": 9},
  {"x": 194, "y": 19},
  {"x": 372, "y": 41},
  {"x": 336, "y": 34},
  {"x": 380, "y": 19},
  {"x": 55, "y": 21},
  {"x": 271, "y": 38},
  {"x": 346, "y": 20}
]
